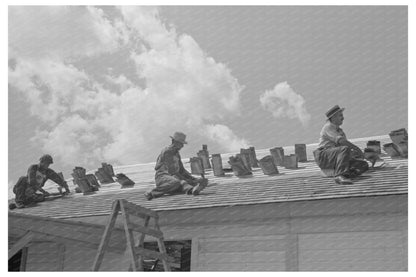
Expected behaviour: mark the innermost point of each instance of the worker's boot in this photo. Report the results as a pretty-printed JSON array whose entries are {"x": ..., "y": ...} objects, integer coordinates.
[
  {"x": 20, "y": 205},
  {"x": 343, "y": 180},
  {"x": 148, "y": 195}
]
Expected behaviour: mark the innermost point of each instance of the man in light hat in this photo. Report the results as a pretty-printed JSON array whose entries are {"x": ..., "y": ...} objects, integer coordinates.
[
  {"x": 335, "y": 153},
  {"x": 171, "y": 177},
  {"x": 37, "y": 174}
]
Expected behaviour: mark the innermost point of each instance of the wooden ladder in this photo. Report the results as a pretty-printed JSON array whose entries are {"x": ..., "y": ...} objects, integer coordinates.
[{"x": 135, "y": 251}]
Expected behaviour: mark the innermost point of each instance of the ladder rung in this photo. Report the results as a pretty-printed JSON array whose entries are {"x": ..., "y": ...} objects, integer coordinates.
[
  {"x": 137, "y": 210},
  {"x": 151, "y": 254},
  {"x": 145, "y": 230}
]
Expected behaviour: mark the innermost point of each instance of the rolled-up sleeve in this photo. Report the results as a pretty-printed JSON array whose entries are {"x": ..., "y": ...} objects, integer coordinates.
[{"x": 331, "y": 135}]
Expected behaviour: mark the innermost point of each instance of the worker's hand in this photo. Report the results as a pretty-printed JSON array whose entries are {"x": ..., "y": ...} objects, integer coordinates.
[{"x": 357, "y": 153}]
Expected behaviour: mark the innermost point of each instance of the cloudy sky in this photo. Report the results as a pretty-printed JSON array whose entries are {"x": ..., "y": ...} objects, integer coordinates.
[{"x": 95, "y": 84}]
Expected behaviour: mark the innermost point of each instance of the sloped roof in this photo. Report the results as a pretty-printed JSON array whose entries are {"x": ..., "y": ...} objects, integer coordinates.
[{"x": 304, "y": 183}]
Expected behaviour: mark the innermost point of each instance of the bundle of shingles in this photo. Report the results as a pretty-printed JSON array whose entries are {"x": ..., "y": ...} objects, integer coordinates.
[
  {"x": 239, "y": 166},
  {"x": 105, "y": 173},
  {"x": 398, "y": 147},
  {"x": 124, "y": 181},
  {"x": 87, "y": 183}
]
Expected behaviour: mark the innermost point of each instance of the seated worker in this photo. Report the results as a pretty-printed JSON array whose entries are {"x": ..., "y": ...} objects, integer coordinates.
[
  {"x": 171, "y": 177},
  {"x": 336, "y": 153},
  {"x": 37, "y": 174}
]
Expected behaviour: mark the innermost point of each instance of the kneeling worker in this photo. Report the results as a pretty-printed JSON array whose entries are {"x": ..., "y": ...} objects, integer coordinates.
[
  {"x": 37, "y": 174},
  {"x": 336, "y": 153},
  {"x": 171, "y": 177}
]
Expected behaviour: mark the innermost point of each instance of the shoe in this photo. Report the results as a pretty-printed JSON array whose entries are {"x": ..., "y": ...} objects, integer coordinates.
[
  {"x": 20, "y": 205},
  {"x": 343, "y": 180},
  {"x": 198, "y": 188},
  {"x": 148, "y": 195}
]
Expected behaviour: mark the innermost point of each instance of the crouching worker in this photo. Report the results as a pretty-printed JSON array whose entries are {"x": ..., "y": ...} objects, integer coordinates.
[
  {"x": 37, "y": 174},
  {"x": 171, "y": 177},
  {"x": 335, "y": 153}
]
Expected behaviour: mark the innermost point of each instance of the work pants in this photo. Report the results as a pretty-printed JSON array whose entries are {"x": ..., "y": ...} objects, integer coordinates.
[
  {"x": 25, "y": 194},
  {"x": 340, "y": 160}
]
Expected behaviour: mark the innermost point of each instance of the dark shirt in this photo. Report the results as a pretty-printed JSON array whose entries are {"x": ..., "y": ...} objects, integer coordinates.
[
  {"x": 169, "y": 162},
  {"x": 37, "y": 177}
]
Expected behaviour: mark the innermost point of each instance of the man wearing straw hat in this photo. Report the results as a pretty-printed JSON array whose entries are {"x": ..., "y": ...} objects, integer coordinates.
[
  {"x": 335, "y": 153},
  {"x": 171, "y": 177}
]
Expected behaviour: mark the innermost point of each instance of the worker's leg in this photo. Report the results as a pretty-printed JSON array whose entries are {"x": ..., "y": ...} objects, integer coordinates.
[
  {"x": 20, "y": 191},
  {"x": 359, "y": 166},
  {"x": 166, "y": 185},
  {"x": 32, "y": 197},
  {"x": 336, "y": 158}
]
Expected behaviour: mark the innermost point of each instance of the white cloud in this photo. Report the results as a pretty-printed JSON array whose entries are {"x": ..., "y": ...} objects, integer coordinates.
[
  {"x": 91, "y": 116},
  {"x": 225, "y": 136},
  {"x": 57, "y": 32},
  {"x": 283, "y": 101}
]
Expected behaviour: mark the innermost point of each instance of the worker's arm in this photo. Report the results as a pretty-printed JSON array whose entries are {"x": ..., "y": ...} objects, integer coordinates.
[
  {"x": 57, "y": 179},
  {"x": 358, "y": 153},
  {"x": 183, "y": 172}
]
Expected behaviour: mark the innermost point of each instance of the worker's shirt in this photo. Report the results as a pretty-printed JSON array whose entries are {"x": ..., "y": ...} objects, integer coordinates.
[
  {"x": 37, "y": 176},
  {"x": 169, "y": 162},
  {"x": 330, "y": 136}
]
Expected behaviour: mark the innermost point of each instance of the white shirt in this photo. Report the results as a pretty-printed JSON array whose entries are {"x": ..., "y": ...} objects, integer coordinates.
[{"x": 330, "y": 135}]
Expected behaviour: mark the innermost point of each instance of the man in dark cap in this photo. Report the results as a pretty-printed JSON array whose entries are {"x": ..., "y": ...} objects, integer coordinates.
[
  {"x": 171, "y": 177},
  {"x": 337, "y": 155},
  {"x": 37, "y": 174}
]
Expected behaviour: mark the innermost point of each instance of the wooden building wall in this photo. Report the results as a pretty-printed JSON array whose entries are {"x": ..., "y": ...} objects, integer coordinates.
[{"x": 363, "y": 233}]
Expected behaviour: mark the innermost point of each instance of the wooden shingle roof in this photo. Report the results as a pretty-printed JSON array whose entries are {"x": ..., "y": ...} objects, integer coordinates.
[{"x": 304, "y": 183}]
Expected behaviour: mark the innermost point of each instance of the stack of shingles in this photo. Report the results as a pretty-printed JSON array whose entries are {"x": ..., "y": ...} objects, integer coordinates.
[
  {"x": 87, "y": 183},
  {"x": 204, "y": 155},
  {"x": 105, "y": 173},
  {"x": 399, "y": 144},
  {"x": 243, "y": 163}
]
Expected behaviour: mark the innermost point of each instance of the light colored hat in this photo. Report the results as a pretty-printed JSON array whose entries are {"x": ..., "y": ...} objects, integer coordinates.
[
  {"x": 180, "y": 137},
  {"x": 332, "y": 111}
]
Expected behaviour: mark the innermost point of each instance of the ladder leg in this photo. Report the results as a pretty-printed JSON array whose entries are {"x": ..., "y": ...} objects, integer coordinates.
[
  {"x": 162, "y": 247},
  {"x": 141, "y": 241},
  {"x": 106, "y": 236},
  {"x": 130, "y": 241}
]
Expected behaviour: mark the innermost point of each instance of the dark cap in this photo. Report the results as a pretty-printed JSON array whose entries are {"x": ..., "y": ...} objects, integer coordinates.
[
  {"x": 46, "y": 158},
  {"x": 332, "y": 111}
]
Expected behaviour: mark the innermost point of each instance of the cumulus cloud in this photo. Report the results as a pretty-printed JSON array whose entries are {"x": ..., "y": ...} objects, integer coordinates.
[
  {"x": 283, "y": 101},
  {"x": 225, "y": 136},
  {"x": 165, "y": 83},
  {"x": 57, "y": 32}
]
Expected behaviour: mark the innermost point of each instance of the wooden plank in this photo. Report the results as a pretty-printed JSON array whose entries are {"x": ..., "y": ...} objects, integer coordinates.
[
  {"x": 162, "y": 247},
  {"x": 136, "y": 266},
  {"x": 195, "y": 253},
  {"x": 106, "y": 236},
  {"x": 292, "y": 253},
  {"x": 144, "y": 230},
  {"x": 26, "y": 239},
  {"x": 61, "y": 257},
  {"x": 138, "y": 210},
  {"x": 141, "y": 240},
  {"x": 23, "y": 259}
]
